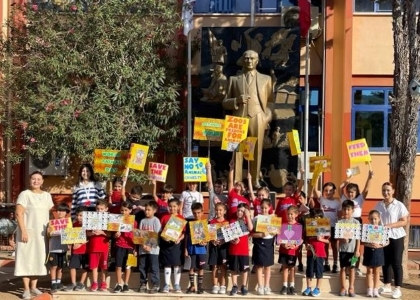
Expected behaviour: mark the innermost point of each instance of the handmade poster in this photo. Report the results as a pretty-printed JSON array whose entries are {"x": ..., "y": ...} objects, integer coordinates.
[
  {"x": 93, "y": 220},
  {"x": 247, "y": 147},
  {"x": 199, "y": 232},
  {"x": 158, "y": 171},
  {"x": 375, "y": 234},
  {"x": 234, "y": 230},
  {"x": 318, "y": 227},
  {"x": 127, "y": 223},
  {"x": 145, "y": 237},
  {"x": 294, "y": 142},
  {"x": 57, "y": 225},
  {"x": 290, "y": 234},
  {"x": 208, "y": 129},
  {"x": 324, "y": 161},
  {"x": 110, "y": 161},
  {"x": 173, "y": 229},
  {"x": 358, "y": 151},
  {"x": 268, "y": 224},
  {"x": 235, "y": 130},
  {"x": 345, "y": 230},
  {"x": 213, "y": 229},
  {"x": 131, "y": 260},
  {"x": 76, "y": 235},
  {"x": 315, "y": 175},
  {"x": 137, "y": 157},
  {"x": 114, "y": 222},
  {"x": 195, "y": 169},
  {"x": 353, "y": 171}
]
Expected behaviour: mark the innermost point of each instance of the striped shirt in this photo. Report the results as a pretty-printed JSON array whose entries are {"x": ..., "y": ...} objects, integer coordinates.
[{"x": 86, "y": 195}]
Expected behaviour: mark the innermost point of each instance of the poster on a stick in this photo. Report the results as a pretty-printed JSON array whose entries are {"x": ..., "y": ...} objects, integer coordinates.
[
  {"x": 234, "y": 132},
  {"x": 158, "y": 171}
]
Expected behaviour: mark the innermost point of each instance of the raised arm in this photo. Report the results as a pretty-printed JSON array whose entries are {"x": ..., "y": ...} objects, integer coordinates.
[
  {"x": 209, "y": 178},
  {"x": 230, "y": 177},
  {"x": 342, "y": 188},
  {"x": 300, "y": 181},
  {"x": 155, "y": 197},
  {"x": 315, "y": 190},
  {"x": 367, "y": 185},
  {"x": 250, "y": 188}
]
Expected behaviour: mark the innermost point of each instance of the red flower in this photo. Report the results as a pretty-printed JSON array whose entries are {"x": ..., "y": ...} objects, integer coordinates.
[
  {"x": 65, "y": 102},
  {"x": 32, "y": 140},
  {"x": 73, "y": 7},
  {"x": 35, "y": 7},
  {"x": 76, "y": 114}
]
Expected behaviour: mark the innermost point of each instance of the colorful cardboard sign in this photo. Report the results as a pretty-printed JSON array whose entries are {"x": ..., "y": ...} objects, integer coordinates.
[
  {"x": 207, "y": 129},
  {"x": 60, "y": 224},
  {"x": 110, "y": 161},
  {"x": 195, "y": 169},
  {"x": 199, "y": 232},
  {"x": 344, "y": 230},
  {"x": 294, "y": 142},
  {"x": 268, "y": 224},
  {"x": 93, "y": 220},
  {"x": 214, "y": 229},
  {"x": 131, "y": 260},
  {"x": 137, "y": 157},
  {"x": 375, "y": 234},
  {"x": 158, "y": 171},
  {"x": 144, "y": 237},
  {"x": 358, "y": 151},
  {"x": 247, "y": 147},
  {"x": 234, "y": 231},
  {"x": 324, "y": 161},
  {"x": 317, "y": 227},
  {"x": 173, "y": 229},
  {"x": 290, "y": 234},
  {"x": 235, "y": 130},
  {"x": 76, "y": 235}
]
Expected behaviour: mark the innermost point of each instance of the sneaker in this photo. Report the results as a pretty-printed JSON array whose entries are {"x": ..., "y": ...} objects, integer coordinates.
[
  {"x": 283, "y": 290},
  {"x": 334, "y": 269},
  {"x": 291, "y": 290},
  {"x": 118, "y": 288},
  {"x": 103, "y": 287},
  {"x": 369, "y": 292},
  {"x": 260, "y": 290},
  {"x": 80, "y": 287},
  {"x": 36, "y": 292},
  {"x": 396, "y": 294},
  {"x": 70, "y": 287},
  {"x": 154, "y": 289},
  {"x": 359, "y": 272},
  {"x": 234, "y": 290},
  {"x": 142, "y": 288},
  {"x": 26, "y": 295},
  {"x": 215, "y": 289},
  {"x": 165, "y": 288},
  {"x": 316, "y": 292},
  {"x": 222, "y": 290},
  {"x": 327, "y": 268},
  {"x": 385, "y": 289},
  {"x": 200, "y": 290},
  {"x": 300, "y": 268},
  {"x": 375, "y": 293},
  {"x": 177, "y": 288},
  {"x": 94, "y": 287},
  {"x": 53, "y": 288},
  {"x": 125, "y": 288},
  {"x": 244, "y": 290},
  {"x": 267, "y": 291},
  {"x": 307, "y": 292},
  {"x": 60, "y": 287}
]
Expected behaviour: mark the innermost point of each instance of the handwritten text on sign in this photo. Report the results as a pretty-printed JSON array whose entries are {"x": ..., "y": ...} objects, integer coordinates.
[
  {"x": 109, "y": 161},
  {"x": 208, "y": 129},
  {"x": 60, "y": 224},
  {"x": 158, "y": 171},
  {"x": 195, "y": 169},
  {"x": 358, "y": 151},
  {"x": 235, "y": 131}
]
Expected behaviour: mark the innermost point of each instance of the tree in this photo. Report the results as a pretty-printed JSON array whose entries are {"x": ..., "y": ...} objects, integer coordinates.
[
  {"x": 82, "y": 76},
  {"x": 404, "y": 103}
]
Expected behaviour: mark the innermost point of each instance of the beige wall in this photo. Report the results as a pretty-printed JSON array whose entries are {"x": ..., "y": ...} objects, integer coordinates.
[{"x": 372, "y": 45}]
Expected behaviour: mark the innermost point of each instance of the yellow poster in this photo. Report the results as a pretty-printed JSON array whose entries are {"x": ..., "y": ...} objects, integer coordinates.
[
  {"x": 75, "y": 235},
  {"x": 110, "y": 161},
  {"x": 247, "y": 147},
  {"x": 195, "y": 169},
  {"x": 137, "y": 157},
  {"x": 158, "y": 171},
  {"x": 173, "y": 229},
  {"x": 199, "y": 231},
  {"x": 60, "y": 224},
  {"x": 294, "y": 142},
  {"x": 234, "y": 132},
  {"x": 268, "y": 224},
  {"x": 318, "y": 227},
  {"x": 131, "y": 260},
  {"x": 208, "y": 129},
  {"x": 316, "y": 173},
  {"x": 324, "y": 161},
  {"x": 144, "y": 237},
  {"x": 358, "y": 151}
]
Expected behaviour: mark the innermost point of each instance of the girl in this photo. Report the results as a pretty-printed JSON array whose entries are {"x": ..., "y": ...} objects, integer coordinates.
[
  {"x": 331, "y": 207},
  {"x": 116, "y": 195},
  {"x": 373, "y": 259},
  {"x": 262, "y": 193},
  {"x": 236, "y": 192},
  {"x": 124, "y": 246},
  {"x": 87, "y": 191},
  {"x": 188, "y": 197},
  {"x": 263, "y": 252},
  {"x": 291, "y": 198},
  {"x": 218, "y": 253}
]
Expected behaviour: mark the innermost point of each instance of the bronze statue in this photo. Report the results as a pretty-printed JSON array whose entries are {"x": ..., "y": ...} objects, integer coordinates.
[
  {"x": 216, "y": 92},
  {"x": 218, "y": 53},
  {"x": 251, "y": 95}
]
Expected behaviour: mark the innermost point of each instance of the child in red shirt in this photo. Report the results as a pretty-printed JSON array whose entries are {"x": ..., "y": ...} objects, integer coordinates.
[
  {"x": 236, "y": 191},
  {"x": 163, "y": 208},
  {"x": 116, "y": 195},
  {"x": 292, "y": 197},
  {"x": 262, "y": 193}
]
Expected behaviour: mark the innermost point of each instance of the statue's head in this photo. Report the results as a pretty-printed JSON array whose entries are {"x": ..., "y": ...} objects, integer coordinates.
[{"x": 250, "y": 60}]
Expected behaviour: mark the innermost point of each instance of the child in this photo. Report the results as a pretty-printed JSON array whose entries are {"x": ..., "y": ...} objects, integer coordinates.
[
  {"x": 163, "y": 203},
  {"x": 116, "y": 195},
  {"x": 149, "y": 256},
  {"x": 215, "y": 192},
  {"x": 134, "y": 197},
  {"x": 78, "y": 258},
  {"x": 315, "y": 259},
  {"x": 348, "y": 249},
  {"x": 236, "y": 191},
  {"x": 239, "y": 251},
  {"x": 288, "y": 256},
  {"x": 351, "y": 192},
  {"x": 170, "y": 252},
  {"x": 218, "y": 253},
  {"x": 188, "y": 197},
  {"x": 197, "y": 253},
  {"x": 263, "y": 252},
  {"x": 98, "y": 248},
  {"x": 331, "y": 208},
  {"x": 262, "y": 193},
  {"x": 123, "y": 247},
  {"x": 373, "y": 259},
  {"x": 291, "y": 198},
  {"x": 57, "y": 252}
]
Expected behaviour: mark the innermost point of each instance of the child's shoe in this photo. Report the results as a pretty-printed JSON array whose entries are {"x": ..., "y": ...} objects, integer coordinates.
[
  {"x": 142, "y": 288},
  {"x": 177, "y": 288},
  {"x": 334, "y": 269},
  {"x": 154, "y": 290},
  {"x": 283, "y": 290},
  {"x": 316, "y": 292},
  {"x": 60, "y": 287},
  {"x": 375, "y": 293},
  {"x": 291, "y": 290},
  {"x": 307, "y": 292},
  {"x": 54, "y": 288},
  {"x": 191, "y": 289},
  {"x": 222, "y": 290},
  {"x": 94, "y": 287},
  {"x": 234, "y": 290},
  {"x": 125, "y": 288},
  {"x": 369, "y": 292},
  {"x": 200, "y": 290},
  {"x": 165, "y": 288},
  {"x": 244, "y": 290},
  {"x": 327, "y": 268},
  {"x": 70, "y": 287},
  {"x": 80, "y": 287},
  {"x": 215, "y": 289},
  {"x": 117, "y": 288},
  {"x": 267, "y": 291},
  {"x": 396, "y": 294},
  {"x": 102, "y": 286},
  {"x": 260, "y": 290}
]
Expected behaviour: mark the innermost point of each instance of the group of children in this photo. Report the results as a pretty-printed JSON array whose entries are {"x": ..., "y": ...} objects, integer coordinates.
[{"x": 220, "y": 256}]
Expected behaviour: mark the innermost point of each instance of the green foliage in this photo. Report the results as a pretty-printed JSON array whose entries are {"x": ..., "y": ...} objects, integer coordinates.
[{"x": 100, "y": 77}]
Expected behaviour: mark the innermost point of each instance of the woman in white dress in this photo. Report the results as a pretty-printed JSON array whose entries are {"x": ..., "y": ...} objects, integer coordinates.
[{"x": 33, "y": 214}]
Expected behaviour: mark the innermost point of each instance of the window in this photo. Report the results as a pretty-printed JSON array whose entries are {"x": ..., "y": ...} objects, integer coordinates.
[
  {"x": 314, "y": 119},
  {"x": 374, "y": 6},
  {"x": 240, "y": 6}
]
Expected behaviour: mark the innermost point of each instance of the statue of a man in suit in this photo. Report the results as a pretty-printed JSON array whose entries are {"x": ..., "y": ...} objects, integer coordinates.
[{"x": 251, "y": 95}]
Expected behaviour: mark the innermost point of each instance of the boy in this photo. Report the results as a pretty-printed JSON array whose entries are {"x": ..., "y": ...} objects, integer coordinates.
[
  {"x": 348, "y": 248},
  {"x": 288, "y": 256},
  {"x": 149, "y": 256},
  {"x": 215, "y": 192},
  {"x": 78, "y": 257},
  {"x": 57, "y": 251},
  {"x": 98, "y": 249},
  {"x": 167, "y": 192},
  {"x": 239, "y": 251}
]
